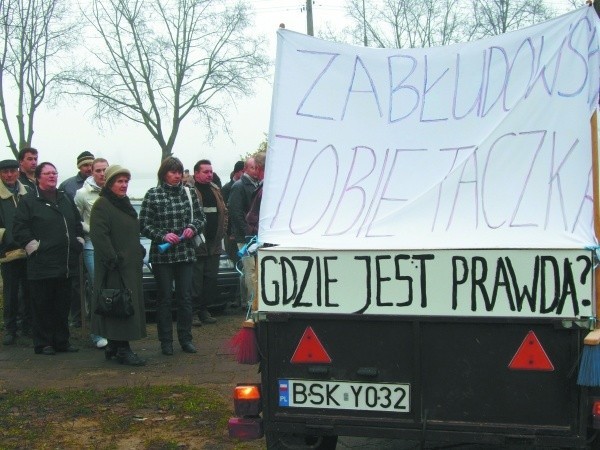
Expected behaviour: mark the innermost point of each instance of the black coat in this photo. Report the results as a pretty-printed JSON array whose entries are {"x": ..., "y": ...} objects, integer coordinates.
[
  {"x": 116, "y": 237},
  {"x": 56, "y": 226},
  {"x": 238, "y": 205}
]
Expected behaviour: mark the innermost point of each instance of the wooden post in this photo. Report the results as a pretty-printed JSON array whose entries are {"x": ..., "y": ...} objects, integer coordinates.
[
  {"x": 596, "y": 202},
  {"x": 593, "y": 338}
]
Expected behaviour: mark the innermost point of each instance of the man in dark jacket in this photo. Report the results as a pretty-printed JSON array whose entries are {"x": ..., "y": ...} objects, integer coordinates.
[
  {"x": 48, "y": 225},
  {"x": 238, "y": 171},
  {"x": 28, "y": 158},
  {"x": 238, "y": 205},
  {"x": 206, "y": 267},
  {"x": 84, "y": 167},
  {"x": 230, "y": 245},
  {"x": 71, "y": 186},
  {"x": 12, "y": 257}
]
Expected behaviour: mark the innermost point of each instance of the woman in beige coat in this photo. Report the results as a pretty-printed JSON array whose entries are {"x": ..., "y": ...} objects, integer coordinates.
[{"x": 118, "y": 255}]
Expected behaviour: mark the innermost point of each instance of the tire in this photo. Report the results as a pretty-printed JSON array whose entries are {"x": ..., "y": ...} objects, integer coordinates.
[{"x": 281, "y": 441}]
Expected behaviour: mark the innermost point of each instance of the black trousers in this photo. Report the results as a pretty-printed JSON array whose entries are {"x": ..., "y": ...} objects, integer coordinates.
[
  {"x": 15, "y": 286},
  {"x": 166, "y": 275},
  {"x": 51, "y": 301},
  {"x": 204, "y": 282}
]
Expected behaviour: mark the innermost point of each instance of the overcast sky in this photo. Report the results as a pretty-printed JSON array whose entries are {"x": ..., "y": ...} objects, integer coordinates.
[{"x": 61, "y": 133}]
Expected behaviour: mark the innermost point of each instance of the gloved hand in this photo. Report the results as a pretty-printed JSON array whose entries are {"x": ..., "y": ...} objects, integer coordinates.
[
  {"x": 188, "y": 233},
  {"x": 171, "y": 238},
  {"x": 32, "y": 246}
]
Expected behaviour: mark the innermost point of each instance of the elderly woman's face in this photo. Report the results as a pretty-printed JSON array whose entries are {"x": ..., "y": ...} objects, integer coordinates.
[
  {"x": 119, "y": 187},
  {"x": 173, "y": 177}
]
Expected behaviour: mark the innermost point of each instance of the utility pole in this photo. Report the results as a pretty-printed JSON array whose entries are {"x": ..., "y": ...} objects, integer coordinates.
[{"x": 309, "y": 18}]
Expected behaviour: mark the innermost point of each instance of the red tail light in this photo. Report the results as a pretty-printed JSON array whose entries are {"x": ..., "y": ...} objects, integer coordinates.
[
  {"x": 247, "y": 400},
  {"x": 248, "y": 406},
  {"x": 250, "y": 392},
  {"x": 596, "y": 413}
]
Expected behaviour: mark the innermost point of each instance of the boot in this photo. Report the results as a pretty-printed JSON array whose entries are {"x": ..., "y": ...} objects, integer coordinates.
[
  {"x": 110, "y": 350},
  {"x": 205, "y": 317},
  {"x": 127, "y": 357}
]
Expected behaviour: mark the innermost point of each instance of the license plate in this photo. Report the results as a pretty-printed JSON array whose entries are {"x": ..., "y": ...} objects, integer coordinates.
[{"x": 344, "y": 395}]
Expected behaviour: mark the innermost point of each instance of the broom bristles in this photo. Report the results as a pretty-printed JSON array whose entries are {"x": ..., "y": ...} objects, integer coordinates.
[
  {"x": 589, "y": 368},
  {"x": 244, "y": 345}
]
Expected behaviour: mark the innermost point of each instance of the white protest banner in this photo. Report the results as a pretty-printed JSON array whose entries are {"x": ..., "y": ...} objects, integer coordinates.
[
  {"x": 485, "y": 144},
  {"x": 466, "y": 283}
]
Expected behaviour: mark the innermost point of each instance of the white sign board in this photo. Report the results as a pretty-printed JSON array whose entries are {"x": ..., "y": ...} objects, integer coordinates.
[
  {"x": 485, "y": 144},
  {"x": 466, "y": 283}
]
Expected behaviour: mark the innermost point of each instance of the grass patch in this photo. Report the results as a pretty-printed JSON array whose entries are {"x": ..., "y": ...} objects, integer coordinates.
[{"x": 152, "y": 417}]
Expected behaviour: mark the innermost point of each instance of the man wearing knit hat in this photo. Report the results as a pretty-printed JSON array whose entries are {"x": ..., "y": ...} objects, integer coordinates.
[{"x": 73, "y": 184}]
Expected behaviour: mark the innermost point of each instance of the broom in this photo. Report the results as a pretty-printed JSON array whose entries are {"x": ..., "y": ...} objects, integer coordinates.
[
  {"x": 244, "y": 344},
  {"x": 589, "y": 367}
]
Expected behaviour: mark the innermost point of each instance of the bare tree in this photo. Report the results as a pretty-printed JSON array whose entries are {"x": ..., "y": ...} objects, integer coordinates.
[
  {"x": 493, "y": 17},
  {"x": 34, "y": 32},
  {"x": 427, "y": 23},
  {"x": 406, "y": 23},
  {"x": 159, "y": 61}
]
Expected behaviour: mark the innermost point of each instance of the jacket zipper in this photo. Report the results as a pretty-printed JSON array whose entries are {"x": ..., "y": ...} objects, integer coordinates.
[{"x": 68, "y": 241}]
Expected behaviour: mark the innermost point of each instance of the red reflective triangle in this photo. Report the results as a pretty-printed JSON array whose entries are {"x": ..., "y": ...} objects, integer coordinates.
[
  {"x": 531, "y": 356},
  {"x": 310, "y": 350}
]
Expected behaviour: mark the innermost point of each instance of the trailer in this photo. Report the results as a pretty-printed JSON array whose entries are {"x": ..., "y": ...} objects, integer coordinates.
[{"x": 434, "y": 215}]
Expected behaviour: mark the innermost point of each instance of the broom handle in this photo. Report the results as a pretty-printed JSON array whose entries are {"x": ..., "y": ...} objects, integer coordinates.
[
  {"x": 596, "y": 201},
  {"x": 593, "y": 337}
]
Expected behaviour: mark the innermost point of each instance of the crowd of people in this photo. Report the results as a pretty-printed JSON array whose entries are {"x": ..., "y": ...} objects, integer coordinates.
[{"x": 51, "y": 233}]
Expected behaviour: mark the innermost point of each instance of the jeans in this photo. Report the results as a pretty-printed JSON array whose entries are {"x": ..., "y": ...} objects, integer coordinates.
[
  {"x": 88, "y": 261},
  {"x": 165, "y": 275},
  {"x": 250, "y": 277}
]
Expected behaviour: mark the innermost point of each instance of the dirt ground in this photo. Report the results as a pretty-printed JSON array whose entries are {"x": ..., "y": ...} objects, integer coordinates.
[{"x": 213, "y": 367}]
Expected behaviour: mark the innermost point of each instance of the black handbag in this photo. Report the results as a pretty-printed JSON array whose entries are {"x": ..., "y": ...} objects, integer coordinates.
[{"x": 114, "y": 303}]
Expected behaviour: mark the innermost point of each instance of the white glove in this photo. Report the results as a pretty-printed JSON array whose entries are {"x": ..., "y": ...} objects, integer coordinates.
[{"x": 32, "y": 246}]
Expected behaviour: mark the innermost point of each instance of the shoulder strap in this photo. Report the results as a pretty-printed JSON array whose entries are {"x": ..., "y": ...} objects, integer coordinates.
[
  {"x": 120, "y": 278},
  {"x": 189, "y": 196}
]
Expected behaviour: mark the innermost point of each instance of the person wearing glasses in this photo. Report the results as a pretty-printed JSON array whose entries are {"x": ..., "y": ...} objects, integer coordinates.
[{"x": 48, "y": 226}]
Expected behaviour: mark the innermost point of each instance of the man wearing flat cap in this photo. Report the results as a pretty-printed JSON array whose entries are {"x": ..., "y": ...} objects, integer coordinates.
[
  {"x": 84, "y": 165},
  {"x": 13, "y": 264}
]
